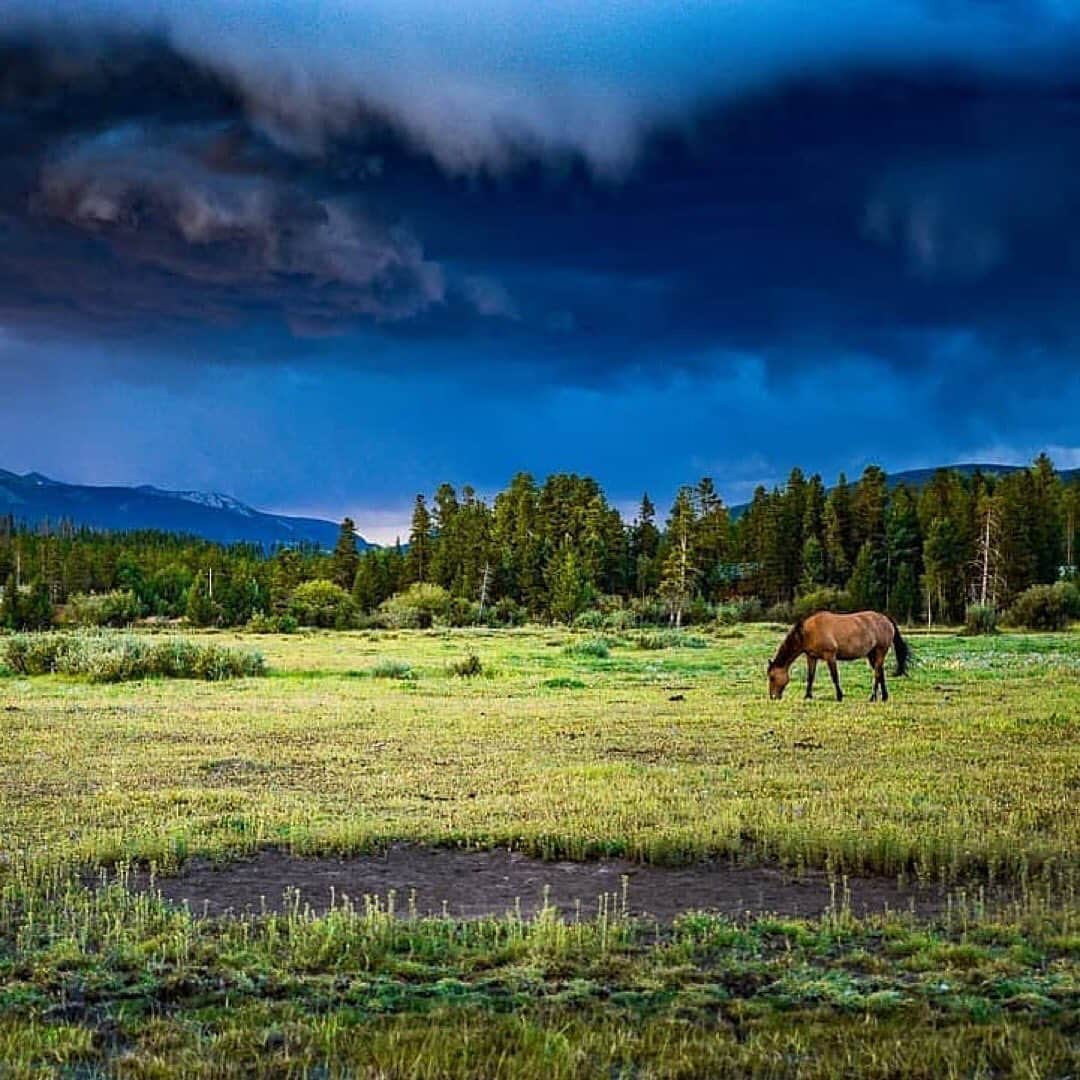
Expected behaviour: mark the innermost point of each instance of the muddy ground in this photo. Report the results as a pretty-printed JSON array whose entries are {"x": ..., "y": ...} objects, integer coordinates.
[{"x": 472, "y": 884}]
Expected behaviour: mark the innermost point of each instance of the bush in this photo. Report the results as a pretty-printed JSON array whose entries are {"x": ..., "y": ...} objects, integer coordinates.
[
  {"x": 121, "y": 658},
  {"x": 460, "y": 612},
  {"x": 783, "y": 612},
  {"x": 392, "y": 669},
  {"x": 669, "y": 639},
  {"x": 322, "y": 603},
  {"x": 416, "y": 608},
  {"x": 981, "y": 619},
  {"x": 505, "y": 612},
  {"x": 260, "y": 623},
  {"x": 748, "y": 609},
  {"x": 697, "y": 612},
  {"x": 823, "y": 599},
  {"x": 620, "y": 620},
  {"x": 1042, "y": 607},
  {"x": 1071, "y": 592},
  {"x": 117, "y": 608},
  {"x": 593, "y": 619},
  {"x": 593, "y": 648},
  {"x": 467, "y": 667},
  {"x": 648, "y": 612}
]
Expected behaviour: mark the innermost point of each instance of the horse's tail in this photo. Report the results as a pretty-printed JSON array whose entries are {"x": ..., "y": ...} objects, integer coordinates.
[{"x": 901, "y": 648}]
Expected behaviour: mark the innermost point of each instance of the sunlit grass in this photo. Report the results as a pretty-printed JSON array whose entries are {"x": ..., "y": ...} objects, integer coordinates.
[
  {"x": 970, "y": 775},
  {"x": 971, "y": 769}
]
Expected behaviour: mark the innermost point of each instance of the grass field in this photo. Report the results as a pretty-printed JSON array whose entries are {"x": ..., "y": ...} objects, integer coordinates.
[{"x": 969, "y": 776}]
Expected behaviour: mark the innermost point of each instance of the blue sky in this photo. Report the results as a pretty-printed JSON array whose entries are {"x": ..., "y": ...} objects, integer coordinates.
[{"x": 324, "y": 255}]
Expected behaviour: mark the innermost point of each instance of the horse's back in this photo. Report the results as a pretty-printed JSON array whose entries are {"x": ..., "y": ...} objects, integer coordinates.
[{"x": 847, "y": 636}]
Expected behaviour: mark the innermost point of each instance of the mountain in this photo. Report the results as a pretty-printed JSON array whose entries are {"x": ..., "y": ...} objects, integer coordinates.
[
  {"x": 34, "y": 498},
  {"x": 917, "y": 478}
]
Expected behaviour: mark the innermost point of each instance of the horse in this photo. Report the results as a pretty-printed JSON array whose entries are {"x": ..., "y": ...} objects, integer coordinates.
[{"x": 831, "y": 637}]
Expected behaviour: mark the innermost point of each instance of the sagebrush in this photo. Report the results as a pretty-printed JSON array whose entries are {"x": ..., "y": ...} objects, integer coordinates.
[{"x": 123, "y": 657}]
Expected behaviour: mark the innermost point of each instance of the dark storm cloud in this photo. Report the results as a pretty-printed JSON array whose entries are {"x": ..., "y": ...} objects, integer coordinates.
[
  {"x": 585, "y": 189},
  {"x": 160, "y": 200}
]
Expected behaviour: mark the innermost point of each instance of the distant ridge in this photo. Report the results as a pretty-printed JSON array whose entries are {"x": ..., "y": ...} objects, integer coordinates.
[
  {"x": 917, "y": 478},
  {"x": 34, "y": 498}
]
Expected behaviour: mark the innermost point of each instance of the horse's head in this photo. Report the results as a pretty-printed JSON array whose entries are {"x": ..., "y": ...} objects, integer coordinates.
[{"x": 779, "y": 677}]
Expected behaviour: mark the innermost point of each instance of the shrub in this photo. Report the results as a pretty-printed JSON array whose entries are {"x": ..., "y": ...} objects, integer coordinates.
[
  {"x": 594, "y": 648},
  {"x": 392, "y": 669},
  {"x": 748, "y": 609},
  {"x": 648, "y": 612},
  {"x": 823, "y": 599},
  {"x": 460, "y": 612},
  {"x": 322, "y": 603},
  {"x": 563, "y": 682},
  {"x": 117, "y": 608},
  {"x": 620, "y": 620},
  {"x": 669, "y": 639},
  {"x": 260, "y": 623},
  {"x": 417, "y": 607},
  {"x": 120, "y": 658},
  {"x": 467, "y": 667},
  {"x": 697, "y": 612},
  {"x": 1071, "y": 592},
  {"x": 593, "y": 619},
  {"x": 781, "y": 613},
  {"x": 1042, "y": 607},
  {"x": 505, "y": 612},
  {"x": 981, "y": 619}
]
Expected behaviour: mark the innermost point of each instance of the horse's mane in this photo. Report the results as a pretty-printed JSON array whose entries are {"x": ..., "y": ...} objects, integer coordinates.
[{"x": 790, "y": 647}]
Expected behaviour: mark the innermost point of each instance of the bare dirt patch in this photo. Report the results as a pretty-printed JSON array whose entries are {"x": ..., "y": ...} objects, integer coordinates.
[{"x": 473, "y": 884}]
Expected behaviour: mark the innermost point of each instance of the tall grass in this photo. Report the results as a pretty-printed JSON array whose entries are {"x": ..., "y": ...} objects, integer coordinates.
[{"x": 111, "y": 658}]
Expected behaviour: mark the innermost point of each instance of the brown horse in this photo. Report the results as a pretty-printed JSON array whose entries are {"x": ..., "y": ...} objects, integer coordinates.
[{"x": 830, "y": 637}]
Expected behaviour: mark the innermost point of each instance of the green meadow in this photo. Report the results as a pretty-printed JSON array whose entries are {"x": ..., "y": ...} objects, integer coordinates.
[{"x": 660, "y": 748}]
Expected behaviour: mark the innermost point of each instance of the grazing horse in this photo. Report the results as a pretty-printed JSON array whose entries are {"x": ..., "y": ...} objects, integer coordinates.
[{"x": 830, "y": 637}]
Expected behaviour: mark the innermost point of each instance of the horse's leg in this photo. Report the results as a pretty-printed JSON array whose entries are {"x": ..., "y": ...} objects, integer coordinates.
[
  {"x": 831, "y": 661},
  {"x": 881, "y": 674},
  {"x": 811, "y": 667},
  {"x": 872, "y": 660}
]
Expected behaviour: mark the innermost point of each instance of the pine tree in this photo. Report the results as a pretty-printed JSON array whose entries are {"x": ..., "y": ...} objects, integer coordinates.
[
  {"x": 904, "y": 598},
  {"x": 36, "y": 610},
  {"x": 904, "y": 549},
  {"x": 346, "y": 558},
  {"x": 814, "y": 512},
  {"x": 869, "y": 505},
  {"x": 419, "y": 557},
  {"x": 945, "y": 556},
  {"x": 713, "y": 539},
  {"x": 644, "y": 546},
  {"x": 369, "y": 587},
  {"x": 9, "y": 604},
  {"x": 201, "y": 609},
  {"x": 813, "y": 565},
  {"x": 570, "y": 591},
  {"x": 838, "y": 533},
  {"x": 445, "y": 555},
  {"x": 1047, "y": 531},
  {"x": 680, "y": 570},
  {"x": 286, "y": 572},
  {"x": 865, "y": 588}
]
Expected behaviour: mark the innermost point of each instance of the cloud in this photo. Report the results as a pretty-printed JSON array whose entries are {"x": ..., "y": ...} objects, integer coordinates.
[
  {"x": 597, "y": 188},
  {"x": 156, "y": 202},
  {"x": 483, "y": 83}
]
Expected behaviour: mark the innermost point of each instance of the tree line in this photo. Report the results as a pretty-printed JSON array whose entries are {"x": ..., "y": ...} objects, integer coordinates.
[{"x": 557, "y": 549}]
